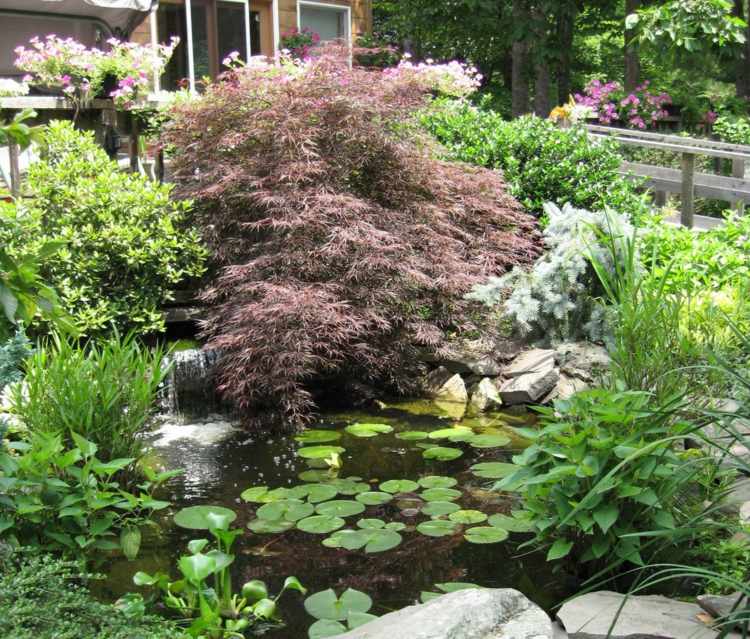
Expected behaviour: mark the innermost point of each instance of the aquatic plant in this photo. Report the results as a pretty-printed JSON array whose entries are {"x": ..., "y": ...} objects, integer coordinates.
[
  {"x": 332, "y": 610},
  {"x": 341, "y": 245},
  {"x": 206, "y": 594}
]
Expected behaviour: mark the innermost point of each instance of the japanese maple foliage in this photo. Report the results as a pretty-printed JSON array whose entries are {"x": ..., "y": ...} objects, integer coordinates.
[{"x": 342, "y": 246}]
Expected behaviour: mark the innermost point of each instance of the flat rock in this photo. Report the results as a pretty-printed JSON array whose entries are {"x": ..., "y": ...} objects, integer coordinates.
[
  {"x": 536, "y": 360},
  {"x": 745, "y": 514},
  {"x": 583, "y": 360},
  {"x": 485, "y": 397},
  {"x": 467, "y": 614},
  {"x": 718, "y": 606},
  {"x": 738, "y": 495},
  {"x": 530, "y": 387},
  {"x": 642, "y": 617},
  {"x": 566, "y": 387}
]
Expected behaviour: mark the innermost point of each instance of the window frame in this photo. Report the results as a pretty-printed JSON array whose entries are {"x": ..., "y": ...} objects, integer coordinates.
[{"x": 345, "y": 8}]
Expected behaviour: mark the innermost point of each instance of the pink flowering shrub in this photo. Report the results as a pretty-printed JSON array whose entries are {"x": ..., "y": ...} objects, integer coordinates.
[
  {"x": 613, "y": 105},
  {"x": 79, "y": 72},
  {"x": 451, "y": 78},
  {"x": 299, "y": 43}
]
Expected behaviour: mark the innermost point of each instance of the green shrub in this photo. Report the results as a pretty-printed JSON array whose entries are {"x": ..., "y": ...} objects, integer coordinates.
[
  {"x": 65, "y": 498},
  {"x": 104, "y": 391},
  {"x": 541, "y": 162},
  {"x": 12, "y": 355},
  {"x": 46, "y": 598},
  {"x": 125, "y": 242},
  {"x": 602, "y": 466},
  {"x": 733, "y": 129}
]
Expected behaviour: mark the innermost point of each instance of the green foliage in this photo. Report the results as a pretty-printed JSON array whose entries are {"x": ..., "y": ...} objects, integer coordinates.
[
  {"x": 12, "y": 355},
  {"x": 65, "y": 498},
  {"x": 333, "y": 611},
  {"x": 205, "y": 593},
  {"x": 727, "y": 557},
  {"x": 104, "y": 391},
  {"x": 692, "y": 25},
  {"x": 733, "y": 129},
  {"x": 125, "y": 244},
  {"x": 46, "y": 598},
  {"x": 600, "y": 471},
  {"x": 540, "y": 161}
]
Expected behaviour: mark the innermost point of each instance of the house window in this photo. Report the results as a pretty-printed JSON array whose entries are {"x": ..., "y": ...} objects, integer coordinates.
[
  {"x": 329, "y": 21},
  {"x": 209, "y": 30}
]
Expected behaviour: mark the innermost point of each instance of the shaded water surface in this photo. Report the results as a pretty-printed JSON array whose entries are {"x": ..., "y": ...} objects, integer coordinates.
[{"x": 220, "y": 463}]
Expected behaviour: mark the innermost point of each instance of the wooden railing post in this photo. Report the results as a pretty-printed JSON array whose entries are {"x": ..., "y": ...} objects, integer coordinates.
[
  {"x": 660, "y": 198},
  {"x": 14, "y": 155},
  {"x": 738, "y": 171},
  {"x": 688, "y": 189}
]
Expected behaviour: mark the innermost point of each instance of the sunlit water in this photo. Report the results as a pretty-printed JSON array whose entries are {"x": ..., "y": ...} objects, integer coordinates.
[{"x": 220, "y": 462}]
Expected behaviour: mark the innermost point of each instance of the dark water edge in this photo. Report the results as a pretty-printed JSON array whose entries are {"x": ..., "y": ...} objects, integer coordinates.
[{"x": 220, "y": 463}]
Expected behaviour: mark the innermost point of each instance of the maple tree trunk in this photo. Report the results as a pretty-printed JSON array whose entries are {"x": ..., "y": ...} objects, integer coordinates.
[
  {"x": 632, "y": 58},
  {"x": 520, "y": 79}
]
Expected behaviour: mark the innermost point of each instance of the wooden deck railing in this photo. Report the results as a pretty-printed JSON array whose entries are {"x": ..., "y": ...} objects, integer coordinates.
[{"x": 685, "y": 181}]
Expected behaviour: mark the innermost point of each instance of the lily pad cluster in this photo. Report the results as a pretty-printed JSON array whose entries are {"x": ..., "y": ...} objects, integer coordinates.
[{"x": 323, "y": 507}]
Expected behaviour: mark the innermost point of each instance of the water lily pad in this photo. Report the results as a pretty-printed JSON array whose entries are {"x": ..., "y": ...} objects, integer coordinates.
[
  {"x": 489, "y": 441},
  {"x": 485, "y": 535},
  {"x": 203, "y": 517},
  {"x": 320, "y": 452},
  {"x": 324, "y": 628},
  {"x": 493, "y": 470},
  {"x": 313, "y": 436},
  {"x": 368, "y": 430},
  {"x": 321, "y": 492},
  {"x": 298, "y": 492},
  {"x": 395, "y": 486},
  {"x": 468, "y": 517},
  {"x": 327, "y": 605},
  {"x": 340, "y": 508},
  {"x": 511, "y": 524},
  {"x": 253, "y": 494},
  {"x": 436, "y": 481},
  {"x": 371, "y": 524},
  {"x": 437, "y": 528},
  {"x": 442, "y": 453},
  {"x": 267, "y": 526},
  {"x": 440, "y": 508},
  {"x": 288, "y": 510},
  {"x": 456, "y": 434},
  {"x": 320, "y": 524},
  {"x": 372, "y": 540},
  {"x": 412, "y": 435},
  {"x": 277, "y": 494},
  {"x": 374, "y": 498},
  {"x": 398, "y": 526},
  {"x": 441, "y": 494}
]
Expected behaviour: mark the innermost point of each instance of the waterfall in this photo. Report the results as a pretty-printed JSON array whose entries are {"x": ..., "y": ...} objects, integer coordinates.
[{"x": 189, "y": 386}]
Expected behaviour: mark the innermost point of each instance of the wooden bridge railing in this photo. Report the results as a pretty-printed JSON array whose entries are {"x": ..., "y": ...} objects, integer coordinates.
[{"x": 685, "y": 181}]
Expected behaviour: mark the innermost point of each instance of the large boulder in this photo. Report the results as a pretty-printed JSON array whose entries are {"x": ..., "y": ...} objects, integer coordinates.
[
  {"x": 466, "y": 614},
  {"x": 485, "y": 397},
  {"x": 583, "y": 360},
  {"x": 484, "y": 356},
  {"x": 531, "y": 377},
  {"x": 719, "y": 606},
  {"x": 641, "y": 617},
  {"x": 444, "y": 386}
]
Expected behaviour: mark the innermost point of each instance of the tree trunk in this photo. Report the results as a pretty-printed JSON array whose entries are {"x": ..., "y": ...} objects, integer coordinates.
[
  {"x": 565, "y": 30},
  {"x": 542, "y": 105},
  {"x": 520, "y": 80},
  {"x": 632, "y": 58},
  {"x": 742, "y": 60}
]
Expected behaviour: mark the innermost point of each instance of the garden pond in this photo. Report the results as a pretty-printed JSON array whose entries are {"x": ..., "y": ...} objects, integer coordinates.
[{"x": 440, "y": 524}]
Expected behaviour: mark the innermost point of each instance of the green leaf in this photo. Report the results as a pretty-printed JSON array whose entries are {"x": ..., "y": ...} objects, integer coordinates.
[
  {"x": 321, "y": 492},
  {"x": 326, "y": 628},
  {"x": 511, "y": 524},
  {"x": 319, "y": 452},
  {"x": 267, "y": 526},
  {"x": 197, "y": 568},
  {"x": 254, "y": 494},
  {"x": 130, "y": 542},
  {"x": 441, "y": 494},
  {"x": 412, "y": 435},
  {"x": 559, "y": 549},
  {"x": 356, "y": 619},
  {"x": 197, "y": 545},
  {"x": 199, "y": 517},
  {"x": 437, "y": 481},
  {"x": 374, "y": 498},
  {"x": 327, "y": 605},
  {"x": 255, "y": 590},
  {"x": 368, "y": 430},
  {"x": 395, "y": 486},
  {"x": 605, "y": 516},
  {"x": 265, "y": 609},
  {"x": 485, "y": 535},
  {"x": 493, "y": 470},
  {"x": 288, "y": 510},
  {"x": 468, "y": 517},
  {"x": 292, "y": 583},
  {"x": 340, "y": 508},
  {"x": 442, "y": 453},
  {"x": 320, "y": 524},
  {"x": 489, "y": 441},
  {"x": 455, "y": 434},
  {"x": 439, "y": 508}
]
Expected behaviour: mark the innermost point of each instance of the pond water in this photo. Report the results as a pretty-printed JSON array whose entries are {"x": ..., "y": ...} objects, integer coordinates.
[{"x": 221, "y": 462}]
